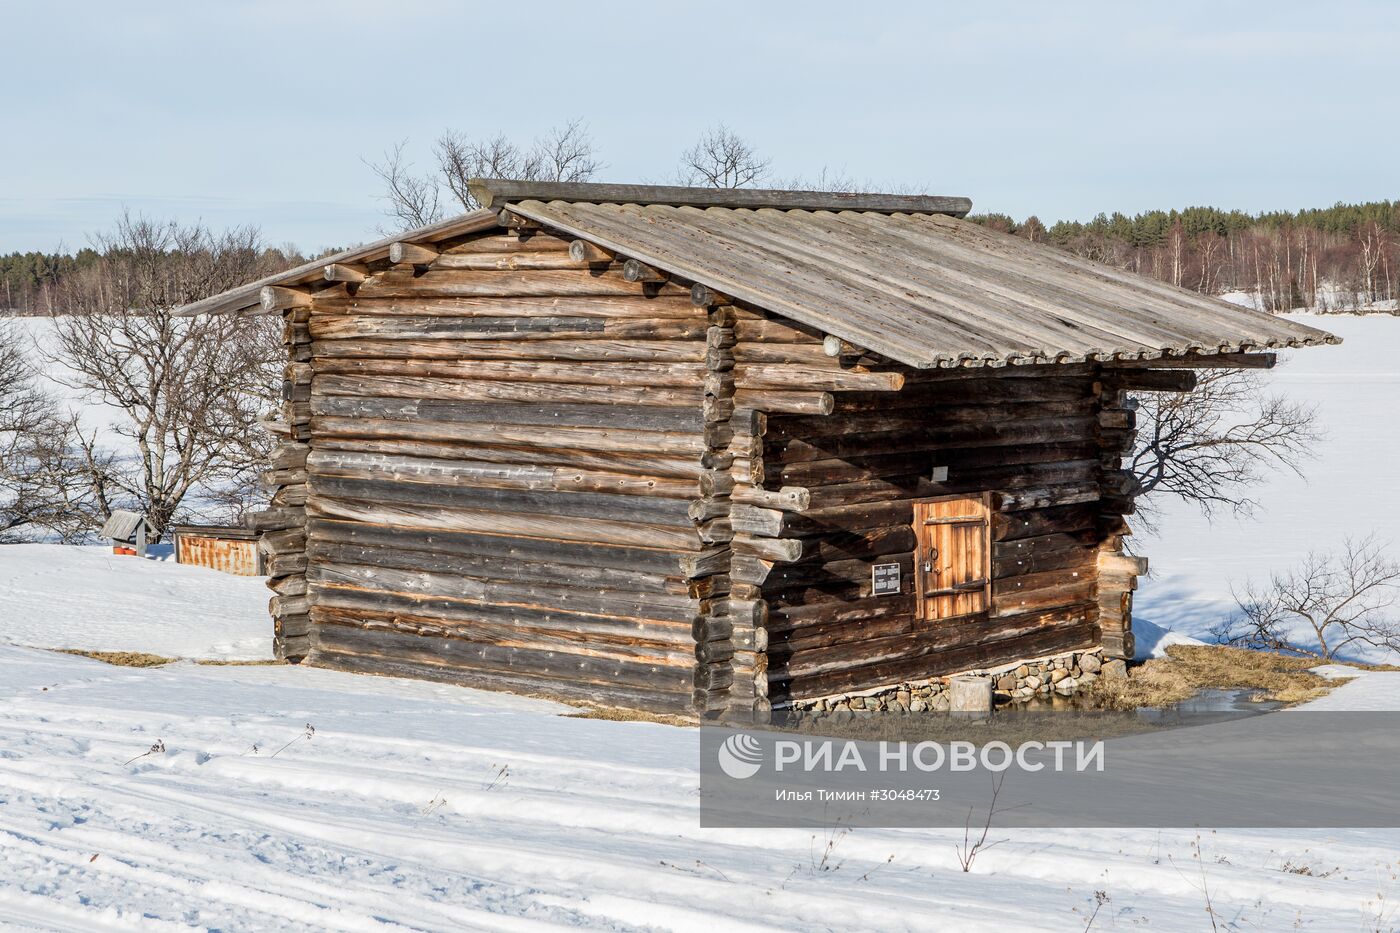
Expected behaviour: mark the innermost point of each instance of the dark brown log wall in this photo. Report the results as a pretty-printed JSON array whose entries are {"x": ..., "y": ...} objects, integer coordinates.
[{"x": 1045, "y": 439}]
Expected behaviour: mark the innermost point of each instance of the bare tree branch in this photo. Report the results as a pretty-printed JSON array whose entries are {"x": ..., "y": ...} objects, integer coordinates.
[
  {"x": 412, "y": 199},
  {"x": 1328, "y": 603},
  {"x": 189, "y": 389},
  {"x": 565, "y": 153},
  {"x": 722, "y": 159},
  {"x": 1210, "y": 445}
]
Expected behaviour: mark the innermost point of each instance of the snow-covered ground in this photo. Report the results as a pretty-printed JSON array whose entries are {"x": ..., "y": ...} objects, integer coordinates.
[
  {"x": 427, "y": 807},
  {"x": 424, "y": 807},
  {"x": 1352, "y": 487},
  {"x": 53, "y": 596}
]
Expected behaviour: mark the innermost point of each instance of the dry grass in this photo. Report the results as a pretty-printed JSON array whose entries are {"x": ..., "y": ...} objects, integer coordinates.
[
  {"x": 615, "y": 714},
  {"x": 122, "y": 658},
  {"x": 1191, "y": 668},
  {"x": 142, "y": 659}
]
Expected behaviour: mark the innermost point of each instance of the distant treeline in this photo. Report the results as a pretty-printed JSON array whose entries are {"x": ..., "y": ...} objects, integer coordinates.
[
  {"x": 29, "y": 281},
  {"x": 1337, "y": 258}
]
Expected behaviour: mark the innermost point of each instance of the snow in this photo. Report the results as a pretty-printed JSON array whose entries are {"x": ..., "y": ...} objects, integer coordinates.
[
  {"x": 395, "y": 814},
  {"x": 1153, "y": 640},
  {"x": 54, "y": 596},
  {"x": 1347, "y": 490},
  {"x": 429, "y": 807}
]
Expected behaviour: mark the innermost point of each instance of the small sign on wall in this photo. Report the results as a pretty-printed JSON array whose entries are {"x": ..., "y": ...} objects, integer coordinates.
[{"x": 884, "y": 580}]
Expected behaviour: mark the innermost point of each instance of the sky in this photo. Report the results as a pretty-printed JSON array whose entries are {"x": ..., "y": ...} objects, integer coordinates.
[{"x": 266, "y": 113}]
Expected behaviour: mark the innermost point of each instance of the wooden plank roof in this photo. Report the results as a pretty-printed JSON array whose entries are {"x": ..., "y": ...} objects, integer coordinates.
[
  {"x": 921, "y": 288},
  {"x": 900, "y": 275}
]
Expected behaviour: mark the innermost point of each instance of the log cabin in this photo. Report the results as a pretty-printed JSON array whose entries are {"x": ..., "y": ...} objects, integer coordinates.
[{"x": 714, "y": 451}]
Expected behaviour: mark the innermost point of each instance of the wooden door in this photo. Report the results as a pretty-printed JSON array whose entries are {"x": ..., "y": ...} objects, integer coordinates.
[{"x": 953, "y": 563}]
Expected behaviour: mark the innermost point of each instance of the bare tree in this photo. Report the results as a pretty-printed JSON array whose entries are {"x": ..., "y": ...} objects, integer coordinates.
[
  {"x": 722, "y": 159},
  {"x": 564, "y": 153},
  {"x": 413, "y": 199},
  {"x": 1210, "y": 445},
  {"x": 43, "y": 486},
  {"x": 1328, "y": 603},
  {"x": 189, "y": 390}
]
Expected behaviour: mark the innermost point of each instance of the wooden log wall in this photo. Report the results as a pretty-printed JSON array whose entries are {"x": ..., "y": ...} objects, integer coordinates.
[
  {"x": 830, "y": 494},
  {"x": 508, "y": 450},
  {"x": 283, "y": 523}
]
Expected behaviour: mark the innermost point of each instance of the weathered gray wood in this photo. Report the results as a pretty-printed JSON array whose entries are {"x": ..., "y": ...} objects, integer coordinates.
[
  {"x": 498, "y": 192},
  {"x": 402, "y": 253}
]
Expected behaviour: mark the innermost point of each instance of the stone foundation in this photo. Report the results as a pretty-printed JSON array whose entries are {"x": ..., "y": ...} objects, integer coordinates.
[{"x": 1061, "y": 674}]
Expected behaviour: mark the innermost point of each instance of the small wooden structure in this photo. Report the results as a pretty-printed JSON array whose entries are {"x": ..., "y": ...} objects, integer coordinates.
[
  {"x": 229, "y": 548},
  {"x": 129, "y": 532},
  {"x": 708, "y": 450}
]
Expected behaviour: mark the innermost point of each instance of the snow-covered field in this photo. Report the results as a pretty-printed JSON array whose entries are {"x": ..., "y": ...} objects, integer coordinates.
[
  {"x": 423, "y": 807},
  {"x": 426, "y": 807},
  {"x": 52, "y": 596},
  {"x": 1350, "y": 488}
]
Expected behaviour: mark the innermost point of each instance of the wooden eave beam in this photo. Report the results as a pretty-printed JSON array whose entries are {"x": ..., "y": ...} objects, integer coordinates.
[
  {"x": 275, "y": 298},
  {"x": 351, "y": 273},
  {"x": 584, "y": 251},
  {"x": 1200, "y": 361},
  {"x": 636, "y": 271},
  {"x": 415, "y": 254}
]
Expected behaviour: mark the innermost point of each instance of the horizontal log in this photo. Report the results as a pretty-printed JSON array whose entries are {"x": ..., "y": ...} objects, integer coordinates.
[
  {"x": 1152, "y": 380},
  {"x": 923, "y": 388},
  {"x": 504, "y": 328},
  {"x": 711, "y": 560},
  {"x": 517, "y": 261},
  {"x": 420, "y": 387},
  {"x": 778, "y": 376},
  {"x": 345, "y": 272},
  {"x": 786, "y": 499},
  {"x": 372, "y": 466},
  {"x": 275, "y": 298},
  {"x": 625, "y": 307},
  {"x": 833, "y": 486},
  {"x": 610, "y": 373},
  {"x": 411, "y": 254},
  {"x": 791, "y": 660},
  {"x": 560, "y": 505},
  {"x": 891, "y": 423},
  {"x": 499, "y": 193},
  {"x": 766, "y": 400},
  {"x": 628, "y": 463},
  {"x": 634, "y": 271},
  {"x": 1202, "y": 361},
  {"x": 461, "y": 654},
  {"x": 1046, "y": 497},
  {"x": 680, "y": 421},
  {"x": 532, "y": 241},
  {"x": 504, "y": 284},
  {"x": 439, "y": 518},
  {"x": 505, "y": 433},
  {"x": 1076, "y": 633},
  {"x": 1035, "y": 431},
  {"x": 535, "y": 551},
  {"x": 590, "y": 636},
  {"x": 581, "y": 598},
  {"x": 679, "y": 702},
  {"x": 622, "y": 351}
]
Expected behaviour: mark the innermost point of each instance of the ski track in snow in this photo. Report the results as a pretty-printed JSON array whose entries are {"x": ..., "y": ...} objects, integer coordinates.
[{"x": 594, "y": 825}]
